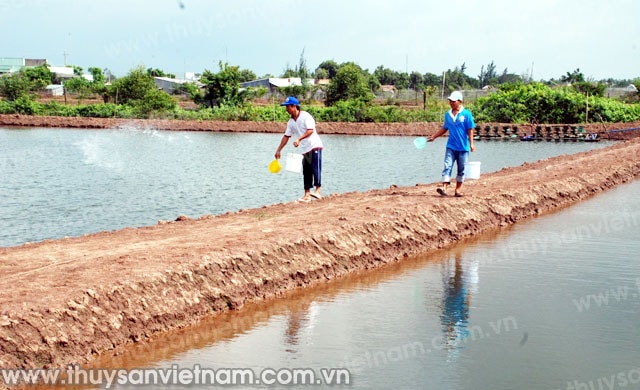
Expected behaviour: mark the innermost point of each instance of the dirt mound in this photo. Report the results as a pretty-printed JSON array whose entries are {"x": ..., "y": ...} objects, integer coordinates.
[
  {"x": 407, "y": 129},
  {"x": 72, "y": 299}
]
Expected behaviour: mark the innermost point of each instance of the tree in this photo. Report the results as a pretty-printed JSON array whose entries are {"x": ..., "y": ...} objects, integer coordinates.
[
  {"x": 132, "y": 87},
  {"x": 386, "y": 76},
  {"x": 154, "y": 101},
  {"x": 223, "y": 88},
  {"x": 303, "y": 72},
  {"x": 39, "y": 76},
  {"x": 374, "y": 84},
  {"x": 416, "y": 81},
  {"x": 15, "y": 86},
  {"x": 98, "y": 84},
  {"x": 509, "y": 78},
  {"x": 191, "y": 89},
  {"x": 457, "y": 79},
  {"x": 321, "y": 74},
  {"x": 590, "y": 89},
  {"x": 98, "y": 76},
  {"x": 247, "y": 75},
  {"x": 79, "y": 86},
  {"x": 330, "y": 67},
  {"x": 138, "y": 90},
  {"x": 573, "y": 77},
  {"x": 25, "y": 82},
  {"x": 350, "y": 83},
  {"x": 160, "y": 73},
  {"x": 402, "y": 81},
  {"x": 488, "y": 76},
  {"x": 300, "y": 70},
  {"x": 432, "y": 79}
]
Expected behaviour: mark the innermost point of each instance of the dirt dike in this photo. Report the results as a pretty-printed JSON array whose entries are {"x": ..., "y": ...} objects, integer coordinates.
[
  {"x": 71, "y": 300},
  {"x": 217, "y": 126},
  {"x": 400, "y": 129}
]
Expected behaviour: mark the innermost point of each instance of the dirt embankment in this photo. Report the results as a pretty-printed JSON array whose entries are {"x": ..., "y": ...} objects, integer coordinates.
[
  {"x": 72, "y": 299},
  {"x": 407, "y": 129},
  {"x": 218, "y": 126}
]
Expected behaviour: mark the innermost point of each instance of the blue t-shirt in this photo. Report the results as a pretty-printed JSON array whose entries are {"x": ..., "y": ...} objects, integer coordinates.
[{"x": 457, "y": 127}]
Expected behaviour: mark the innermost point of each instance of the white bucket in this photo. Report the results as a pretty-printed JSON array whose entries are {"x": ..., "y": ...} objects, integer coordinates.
[
  {"x": 294, "y": 163},
  {"x": 472, "y": 170}
]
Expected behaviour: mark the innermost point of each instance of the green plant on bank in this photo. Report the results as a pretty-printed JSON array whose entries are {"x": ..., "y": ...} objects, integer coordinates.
[
  {"x": 349, "y": 84},
  {"x": 24, "y": 83},
  {"x": 83, "y": 88},
  {"x": 538, "y": 103},
  {"x": 500, "y": 107},
  {"x": 515, "y": 103},
  {"x": 223, "y": 88}
]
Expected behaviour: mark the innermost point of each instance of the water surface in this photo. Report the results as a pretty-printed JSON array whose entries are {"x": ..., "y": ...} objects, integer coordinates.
[
  {"x": 550, "y": 303},
  {"x": 70, "y": 182}
]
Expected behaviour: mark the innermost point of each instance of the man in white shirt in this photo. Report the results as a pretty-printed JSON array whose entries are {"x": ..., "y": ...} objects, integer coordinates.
[{"x": 302, "y": 127}]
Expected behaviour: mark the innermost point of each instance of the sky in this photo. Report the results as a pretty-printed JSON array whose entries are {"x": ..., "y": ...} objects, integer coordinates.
[{"x": 544, "y": 39}]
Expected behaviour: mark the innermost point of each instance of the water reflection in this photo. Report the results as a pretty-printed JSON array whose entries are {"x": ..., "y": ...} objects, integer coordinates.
[
  {"x": 460, "y": 280},
  {"x": 299, "y": 321}
]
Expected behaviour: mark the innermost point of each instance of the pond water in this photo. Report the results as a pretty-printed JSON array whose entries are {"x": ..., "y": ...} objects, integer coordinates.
[
  {"x": 550, "y": 303},
  {"x": 70, "y": 182}
]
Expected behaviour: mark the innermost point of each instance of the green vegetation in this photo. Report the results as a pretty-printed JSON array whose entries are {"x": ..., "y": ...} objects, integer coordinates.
[
  {"x": 350, "y": 83},
  {"x": 538, "y": 103},
  {"x": 349, "y": 95},
  {"x": 26, "y": 83},
  {"x": 223, "y": 88}
]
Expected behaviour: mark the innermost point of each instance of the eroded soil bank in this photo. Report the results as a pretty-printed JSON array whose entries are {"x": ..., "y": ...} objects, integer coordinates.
[
  {"x": 408, "y": 129},
  {"x": 72, "y": 299}
]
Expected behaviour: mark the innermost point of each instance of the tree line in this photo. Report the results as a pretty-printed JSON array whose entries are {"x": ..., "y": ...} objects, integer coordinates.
[{"x": 347, "y": 97}]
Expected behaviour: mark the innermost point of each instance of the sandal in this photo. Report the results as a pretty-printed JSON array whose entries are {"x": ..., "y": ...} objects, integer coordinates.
[
  {"x": 315, "y": 195},
  {"x": 441, "y": 191},
  {"x": 458, "y": 195},
  {"x": 303, "y": 200}
]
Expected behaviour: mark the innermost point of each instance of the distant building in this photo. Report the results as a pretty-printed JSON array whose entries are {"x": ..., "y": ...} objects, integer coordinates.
[
  {"x": 34, "y": 62},
  {"x": 387, "y": 91},
  {"x": 62, "y": 72},
  {"x": 169, "y": 85},
  {"x": 10, "y": 65},
  {"x": 54, "y": 90},
  {"x": 273, "y": 83},
  {"x": 191, "y": 76},
  {"x": 14, "y": 64}
]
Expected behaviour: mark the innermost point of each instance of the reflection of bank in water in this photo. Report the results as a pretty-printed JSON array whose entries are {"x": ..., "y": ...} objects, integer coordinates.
[
  {"x": 300, "y": 323},
  {"x": 460, "y": 280}
]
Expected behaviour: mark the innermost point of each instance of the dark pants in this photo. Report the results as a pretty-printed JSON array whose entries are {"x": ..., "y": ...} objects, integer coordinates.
[{"x": 312, "y": 168}]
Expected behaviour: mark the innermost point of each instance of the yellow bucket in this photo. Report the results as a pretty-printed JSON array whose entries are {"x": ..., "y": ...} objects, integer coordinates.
[{"x": 274, "y": 166}]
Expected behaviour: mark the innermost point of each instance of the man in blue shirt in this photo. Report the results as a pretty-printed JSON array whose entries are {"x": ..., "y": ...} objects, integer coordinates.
[{"x": 460, "y": 124}]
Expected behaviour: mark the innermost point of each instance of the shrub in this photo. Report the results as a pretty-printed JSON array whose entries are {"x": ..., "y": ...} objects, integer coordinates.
[{"x": 26, "y": 105}]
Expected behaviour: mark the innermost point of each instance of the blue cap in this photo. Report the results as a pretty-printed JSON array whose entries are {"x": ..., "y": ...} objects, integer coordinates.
[{"x": 290, "y": 100}]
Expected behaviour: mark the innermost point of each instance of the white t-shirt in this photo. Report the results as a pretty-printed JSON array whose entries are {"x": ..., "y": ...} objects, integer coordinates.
[{"x": 296, "y": 128}]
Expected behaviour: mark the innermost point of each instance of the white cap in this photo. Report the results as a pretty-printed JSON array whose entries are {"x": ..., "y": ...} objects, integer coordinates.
[{"x": 455, "y": 95}]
